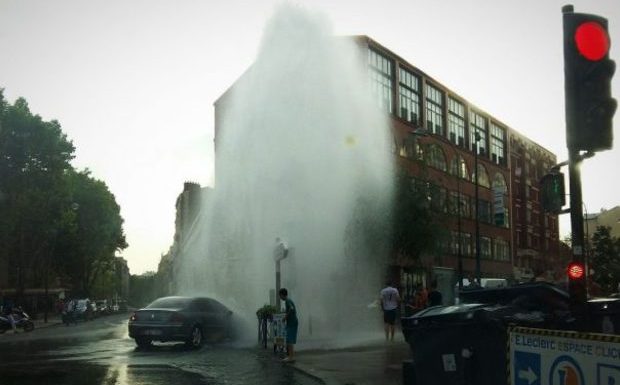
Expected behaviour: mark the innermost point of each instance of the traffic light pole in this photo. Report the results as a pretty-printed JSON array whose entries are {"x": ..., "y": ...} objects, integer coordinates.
[{"x": 577, "y": 287}]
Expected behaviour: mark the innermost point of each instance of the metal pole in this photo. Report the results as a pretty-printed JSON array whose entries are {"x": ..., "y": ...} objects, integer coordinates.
[
  {"x": 477, "y": 138},
  {"x": 576, "y": 218},
  {"x": 459, "y": 255},
  {"x": 278, "y": 285}
]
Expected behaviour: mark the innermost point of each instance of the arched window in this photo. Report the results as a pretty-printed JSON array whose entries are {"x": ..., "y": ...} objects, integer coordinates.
[
  {"x": 500, "y": 204},
  {"x": 483, "y": 177},
  {"x": 454, "y": 164},
  {"x": 499, "y": 183},
  {"x": 436, "y": 158}
]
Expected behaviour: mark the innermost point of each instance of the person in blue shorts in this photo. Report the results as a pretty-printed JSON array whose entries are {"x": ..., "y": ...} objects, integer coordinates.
[{"x": 291, "y": 325}]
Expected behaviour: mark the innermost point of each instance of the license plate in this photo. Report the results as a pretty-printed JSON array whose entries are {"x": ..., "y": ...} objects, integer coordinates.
[{"x": 151, "y": 332}]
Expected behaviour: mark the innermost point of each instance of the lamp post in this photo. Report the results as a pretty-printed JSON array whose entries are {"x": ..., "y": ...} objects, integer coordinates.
[
  {"x": 459, "y": 255},
  {"x": 476, "y": 187},
  {"x": 280, "y": 252}
]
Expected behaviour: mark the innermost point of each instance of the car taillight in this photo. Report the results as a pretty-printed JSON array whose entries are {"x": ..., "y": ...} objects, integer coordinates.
[
  {"x": 133, "y": 317},
  {"x": 177, "y": 317}
]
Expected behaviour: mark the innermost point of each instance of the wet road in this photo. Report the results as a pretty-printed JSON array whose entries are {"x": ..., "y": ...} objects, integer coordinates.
[{"x": 101, "y": 352}]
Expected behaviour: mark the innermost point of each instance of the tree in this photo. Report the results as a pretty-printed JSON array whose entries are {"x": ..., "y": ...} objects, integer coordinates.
[
  {"x": 417, "y": 228},
  {"x": 88, "y": 244},
  {"x": 35, "y": 156},
  {"x": 410, "y": 228},
  {"x": 605, "y": 262}
]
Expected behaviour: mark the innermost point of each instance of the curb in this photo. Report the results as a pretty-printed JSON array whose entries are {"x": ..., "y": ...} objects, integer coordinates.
[{"x": 306, "y": 371}]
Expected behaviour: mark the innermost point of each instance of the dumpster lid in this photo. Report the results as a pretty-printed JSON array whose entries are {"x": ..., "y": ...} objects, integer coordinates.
[
  {"x": 532, "y": 295},
  {"x": 445, "y": 310}
]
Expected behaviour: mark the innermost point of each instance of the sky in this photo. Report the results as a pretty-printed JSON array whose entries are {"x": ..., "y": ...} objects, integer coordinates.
[{"x": 133, "y": 82}]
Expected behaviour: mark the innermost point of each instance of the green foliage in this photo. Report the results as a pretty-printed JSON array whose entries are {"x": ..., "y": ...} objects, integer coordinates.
[
  {"x": 605, "y": 259},
  {"x": 267, "y": 311},
  {"x": 409, "y": 228},
  {"x": 143, "y": 289},
  {"x": 55, "y": 221},
  {"x": 417, "y": 223}
]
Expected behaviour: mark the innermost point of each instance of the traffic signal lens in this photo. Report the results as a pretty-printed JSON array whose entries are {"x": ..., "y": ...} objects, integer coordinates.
[
  {"x": 575, "y": 271},
  {"x": 592, "y": 40}
]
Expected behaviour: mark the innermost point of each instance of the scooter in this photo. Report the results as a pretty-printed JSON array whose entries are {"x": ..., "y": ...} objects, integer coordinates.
[{"x": 22, "y": 321}]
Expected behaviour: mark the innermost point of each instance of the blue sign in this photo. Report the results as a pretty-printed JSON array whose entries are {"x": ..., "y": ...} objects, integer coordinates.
[{"x": 526, "y": 368}]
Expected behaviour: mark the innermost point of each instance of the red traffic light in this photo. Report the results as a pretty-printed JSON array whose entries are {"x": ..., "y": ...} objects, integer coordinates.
[
  {"x": 575, "y": 270},
  {"x": 592, "y": 40}
]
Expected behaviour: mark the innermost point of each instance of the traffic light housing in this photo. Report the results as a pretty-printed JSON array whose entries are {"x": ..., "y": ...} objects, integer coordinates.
[
  {"x": 588, "y": 72},
  {"x": 576, "y": 273},
  {"x": 553, "y": 196}
]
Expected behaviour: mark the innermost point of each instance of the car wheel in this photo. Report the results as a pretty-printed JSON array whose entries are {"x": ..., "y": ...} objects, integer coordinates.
[
  {"x": 195, "y": 339},
  {"x": 143, "y": 342}
]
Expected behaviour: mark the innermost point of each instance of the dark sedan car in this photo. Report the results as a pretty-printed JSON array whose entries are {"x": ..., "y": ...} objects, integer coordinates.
[{"x": 187, "y": 319}]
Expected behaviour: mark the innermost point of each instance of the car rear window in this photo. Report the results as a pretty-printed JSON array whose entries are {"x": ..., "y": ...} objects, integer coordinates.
[{"x": 169, "y": 303}]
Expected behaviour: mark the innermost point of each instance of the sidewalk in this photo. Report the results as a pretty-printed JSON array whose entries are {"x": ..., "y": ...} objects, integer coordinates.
[
  {"x": 379, "y": 362},
  {"x": 52, "y": 320}
]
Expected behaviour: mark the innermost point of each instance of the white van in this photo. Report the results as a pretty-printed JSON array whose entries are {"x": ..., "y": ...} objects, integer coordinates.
[{"x": 487, "y": 283}]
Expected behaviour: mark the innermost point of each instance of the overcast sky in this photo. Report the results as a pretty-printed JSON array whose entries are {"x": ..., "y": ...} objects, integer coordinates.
[{"x": 133, "y": 82}]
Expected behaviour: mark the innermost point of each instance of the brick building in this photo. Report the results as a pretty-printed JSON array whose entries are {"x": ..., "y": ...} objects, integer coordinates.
[{"x": 444, "y": 158}]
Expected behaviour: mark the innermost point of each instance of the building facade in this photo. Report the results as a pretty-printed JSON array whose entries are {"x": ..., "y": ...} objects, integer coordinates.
[
  {"x": 188, "y": 205},
  {"x": 609, "y": 218},
  {"x": 459, "y": 139},
  {"x": 467, "y": 159}
]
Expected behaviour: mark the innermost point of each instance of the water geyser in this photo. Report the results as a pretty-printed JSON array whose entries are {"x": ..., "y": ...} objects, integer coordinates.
[{"x": 302, "y": 153}]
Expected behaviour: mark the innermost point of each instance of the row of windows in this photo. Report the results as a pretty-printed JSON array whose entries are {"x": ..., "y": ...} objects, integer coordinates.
[
  {"x": 492, "y": 249},
  {"x": 409, "y": 98},
  {"x": 434, "y": 156},
  {"x": 453, "y": 203}
]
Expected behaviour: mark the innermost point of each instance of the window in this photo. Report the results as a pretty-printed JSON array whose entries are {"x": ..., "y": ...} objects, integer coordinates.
[
  {"x": 456, "y": 122},
  {"x": 409, "y": 148},
  {"x": 500, "y": 200},
  {"x": 436, "y": 158},
  {"x": 501, "y": 250},
  {"x": 381, "y": 75},
  {"x": 466, "y": 243},
  {"x": 409, "y": 94},
  {"x": 454, "y": 242},
  {"x": 485, "y": 247},
  {"x": 483, "y": 177},
  {"x": 478, "y": 124},
  {"x": 465, "y": 204},
  {"x": 454, "y": 168},
  {"x": 434, "y": 110},
  {"x": 498, "y": 144},
  {"x": 484, "y": 208},
  {"x": 499, "y": 183},
  {"x": 439, "y": 198}
]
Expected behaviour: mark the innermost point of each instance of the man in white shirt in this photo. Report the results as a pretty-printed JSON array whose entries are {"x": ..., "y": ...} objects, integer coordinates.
[{"x": 389, "y": 303}]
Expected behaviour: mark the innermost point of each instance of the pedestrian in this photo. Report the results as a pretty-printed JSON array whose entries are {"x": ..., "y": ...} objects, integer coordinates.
[
  {"x": 390, "y": 300},
  {"x": 421, "y": 297},
  {"x": 290, "y": 317},
  {"x": 434, "y": 296}
]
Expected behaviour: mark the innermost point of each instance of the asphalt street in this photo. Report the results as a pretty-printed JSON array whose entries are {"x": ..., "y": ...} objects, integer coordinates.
[{"x": 101, "y": 352}]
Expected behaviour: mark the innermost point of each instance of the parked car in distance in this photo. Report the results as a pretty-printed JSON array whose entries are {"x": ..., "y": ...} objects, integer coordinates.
[
  {"x": 486, "y": 283},
  {"x": 102, "y": 307},
  {"x": 187, "y": 319},
  {"x": 119, "y": 306}
]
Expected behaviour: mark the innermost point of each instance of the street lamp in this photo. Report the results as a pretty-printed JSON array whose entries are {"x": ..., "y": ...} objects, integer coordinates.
[
  {"x": 459, "y": 255},
  {"x": 477, "y": 139},
  {"x": 280, "y": 252}
]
